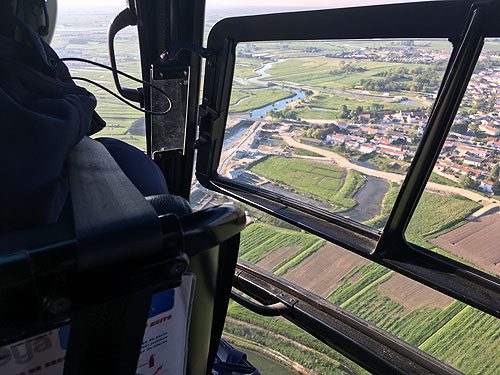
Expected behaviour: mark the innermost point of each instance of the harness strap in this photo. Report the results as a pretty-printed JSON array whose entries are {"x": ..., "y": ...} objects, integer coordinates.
[
  {"x": 113, "y": 223},
  {"x": 106, "y": 202}
]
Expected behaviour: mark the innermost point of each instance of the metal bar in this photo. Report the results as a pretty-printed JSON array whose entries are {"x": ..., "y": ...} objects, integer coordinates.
[
  {"x": 275, "y": 309},
  {"x": 369, "y": 346},
  {"x": 441, "y": 119}
]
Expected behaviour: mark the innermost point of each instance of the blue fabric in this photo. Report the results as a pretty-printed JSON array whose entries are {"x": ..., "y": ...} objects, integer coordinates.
[
  {"x": 137, "y": 166},
  {"x": 43, "y": 114}
]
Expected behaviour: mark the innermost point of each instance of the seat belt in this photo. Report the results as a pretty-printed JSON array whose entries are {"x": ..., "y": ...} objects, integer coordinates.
[{"x": 105, "y": 201}]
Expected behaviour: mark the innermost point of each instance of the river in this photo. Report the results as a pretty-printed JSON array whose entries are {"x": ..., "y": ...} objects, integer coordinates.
[
  {"x": 280, "y": 104},
  {"x": 369, "y": 197},
  {"x": 262, "y": 71}
]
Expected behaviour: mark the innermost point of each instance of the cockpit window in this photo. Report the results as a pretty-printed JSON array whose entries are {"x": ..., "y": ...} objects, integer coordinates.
[
  {"x": 464, "y": 196},
  {"x": 331, "y": 124}
]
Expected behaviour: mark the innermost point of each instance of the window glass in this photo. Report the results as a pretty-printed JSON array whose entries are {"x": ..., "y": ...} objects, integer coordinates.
[
  {"x": 278, "y": 347},
  {"x": 465, "y": 223},
  {"x": 445, "y": 328},
  {"x": 332, "y": 124},
  {"x": 81, "y": 31}
]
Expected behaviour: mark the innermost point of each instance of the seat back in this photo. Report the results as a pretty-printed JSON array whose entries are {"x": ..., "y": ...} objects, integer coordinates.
[{"x": 105, "y": 308}]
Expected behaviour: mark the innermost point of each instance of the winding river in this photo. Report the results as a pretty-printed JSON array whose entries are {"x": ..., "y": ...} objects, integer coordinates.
[{"x": 299, "y": 93}]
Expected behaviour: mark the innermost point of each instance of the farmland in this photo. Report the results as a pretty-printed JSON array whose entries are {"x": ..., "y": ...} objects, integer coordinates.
[
  {"x": 481, "y": 235},
  {"x": 411, "y": 311},
  {"x": 256, "y": 99},
  {"x": 323, "y": 182}
]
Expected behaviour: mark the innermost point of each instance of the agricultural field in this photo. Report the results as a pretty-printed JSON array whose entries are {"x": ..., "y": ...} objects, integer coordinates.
[
  {"x": 328, "y": 265},
  {"x": 290, "y": 341},
  {"x": 319, "y": 181},
  {"x": 411, "y": 311},
  {"x": 436, "y": 214},
  {"x": 482, "y": 235},
  {"x": 90, "y": 42},
  {"x": 326, "y": 72},
  {"x": 260, "y": 240},
  {"x": 257, "y": 99}
]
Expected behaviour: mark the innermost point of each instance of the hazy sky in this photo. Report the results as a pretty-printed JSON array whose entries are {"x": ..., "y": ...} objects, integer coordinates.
[{"x": 239, "y": 3}]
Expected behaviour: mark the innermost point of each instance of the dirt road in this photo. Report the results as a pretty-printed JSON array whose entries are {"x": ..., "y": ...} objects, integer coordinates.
[{"x": 344, "y": 163}]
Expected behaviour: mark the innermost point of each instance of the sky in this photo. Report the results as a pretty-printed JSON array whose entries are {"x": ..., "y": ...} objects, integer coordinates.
[{"x": 247, "y": 3}]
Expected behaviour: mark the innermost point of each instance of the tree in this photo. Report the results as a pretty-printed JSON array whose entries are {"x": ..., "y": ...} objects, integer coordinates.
[
  {"x": 344, "y": 112},
  {"x": 460, "y": 127},
  {"x": 467, "y": 182},
  {"x": 496, "y": 187},
  {"x": 494, "y": 172}
]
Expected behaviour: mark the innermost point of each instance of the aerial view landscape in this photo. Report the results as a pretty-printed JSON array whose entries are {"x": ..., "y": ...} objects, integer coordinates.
[{"x": 335, "y": 125}]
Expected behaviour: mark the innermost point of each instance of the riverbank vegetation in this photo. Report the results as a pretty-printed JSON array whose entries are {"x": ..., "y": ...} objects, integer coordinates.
[{"x": 319, "y": 181}]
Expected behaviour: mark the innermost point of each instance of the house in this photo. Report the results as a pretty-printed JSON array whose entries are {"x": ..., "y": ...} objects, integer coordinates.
[
  {"x": 398, "y": 154},
  {"x": 460, "y": 169},
  {"x": 235, "y": 173},
  {"x": 369, "y": 130},
  {"x": 340, "y": 138},
  {"x": 494, "y": 144},
  {"x": 341, "y": 124},
  {"x": 471, "y": 160},
  {"x": 352, "y": 144},
  {"x": 465, "y": 150},
  {"x": 486, "y": 186},
  {"x": 367, "y": 148},
  {"x": 358, "y": 139},
  {"x": 488, "y": 129},
  {"x": 380, "y": 140}
]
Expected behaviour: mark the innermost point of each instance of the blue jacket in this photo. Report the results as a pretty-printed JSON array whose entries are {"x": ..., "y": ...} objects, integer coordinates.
[{"x": 43, "y": 114}]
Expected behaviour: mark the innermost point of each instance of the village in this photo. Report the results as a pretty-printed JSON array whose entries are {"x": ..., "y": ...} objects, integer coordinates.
[{"x": 471, "y": 149}]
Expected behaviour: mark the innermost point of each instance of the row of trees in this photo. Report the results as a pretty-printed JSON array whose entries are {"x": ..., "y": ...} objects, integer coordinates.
[
  {"x": 419, "y": 79},
  {"x": 347, "y": 68},
  {"x": 283, "y": 114},
  {"x": 374, "y": 110}
]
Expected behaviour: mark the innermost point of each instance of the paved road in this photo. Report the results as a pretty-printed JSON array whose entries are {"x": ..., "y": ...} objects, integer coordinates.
[
  {"x": 241, "y": 144},
  {"x": 344, "y": 163}
]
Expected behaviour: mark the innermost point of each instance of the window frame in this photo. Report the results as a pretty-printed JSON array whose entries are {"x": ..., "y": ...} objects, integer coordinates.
[{"x": 465, "y": 24}]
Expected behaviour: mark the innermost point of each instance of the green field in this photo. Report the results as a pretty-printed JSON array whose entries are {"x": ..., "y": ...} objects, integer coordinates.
[
  {"x": 289, "y": 340},
  {"x": 264, "y": 364},
  {"x": 258, "y": 98},
  {"x": 245, "y": 69},
  {"x": 302, "y": 152},
  {"x": 436, "y": 214},
  {"x": 259, "y": 240},
  {"x": 316, "y": 180},
  {"x": 441, "y": 332},
  {"x": 321, "y": 71}
]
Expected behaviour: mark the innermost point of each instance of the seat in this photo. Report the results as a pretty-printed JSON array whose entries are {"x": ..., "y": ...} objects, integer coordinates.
[{"x": 105, "y": 308}]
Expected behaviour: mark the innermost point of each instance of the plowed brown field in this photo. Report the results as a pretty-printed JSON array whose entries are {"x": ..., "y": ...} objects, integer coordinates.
[
  {"x": 320, "y": 272},
  {"x": 412, "y": 295},
  {"x": 477, "y": 241},
  {"x": 277, "y": 256}
]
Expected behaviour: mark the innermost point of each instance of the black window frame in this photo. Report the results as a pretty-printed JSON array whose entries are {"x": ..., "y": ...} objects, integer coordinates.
[{"x": 465, "y": 24}]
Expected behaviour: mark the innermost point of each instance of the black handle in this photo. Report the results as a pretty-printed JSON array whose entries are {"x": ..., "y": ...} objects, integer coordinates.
[
  {"x": 276, "y": 309},
  {"x": 122, "y": 20}
]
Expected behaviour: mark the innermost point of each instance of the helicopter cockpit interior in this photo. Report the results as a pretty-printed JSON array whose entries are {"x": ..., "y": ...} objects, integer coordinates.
[{"x": 331, "y": 201}]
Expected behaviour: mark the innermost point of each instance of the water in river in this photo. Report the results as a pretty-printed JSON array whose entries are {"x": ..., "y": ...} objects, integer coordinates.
[{"x": 280, "y": 104}]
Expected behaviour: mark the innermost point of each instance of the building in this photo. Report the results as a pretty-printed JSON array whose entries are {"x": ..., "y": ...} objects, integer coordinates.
[
  {"x": 367, "y": 148},
  {"x": 486, "y": 186},
  {"x": 471, "y": 160},
  {"x": 488, "y": 129}
]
